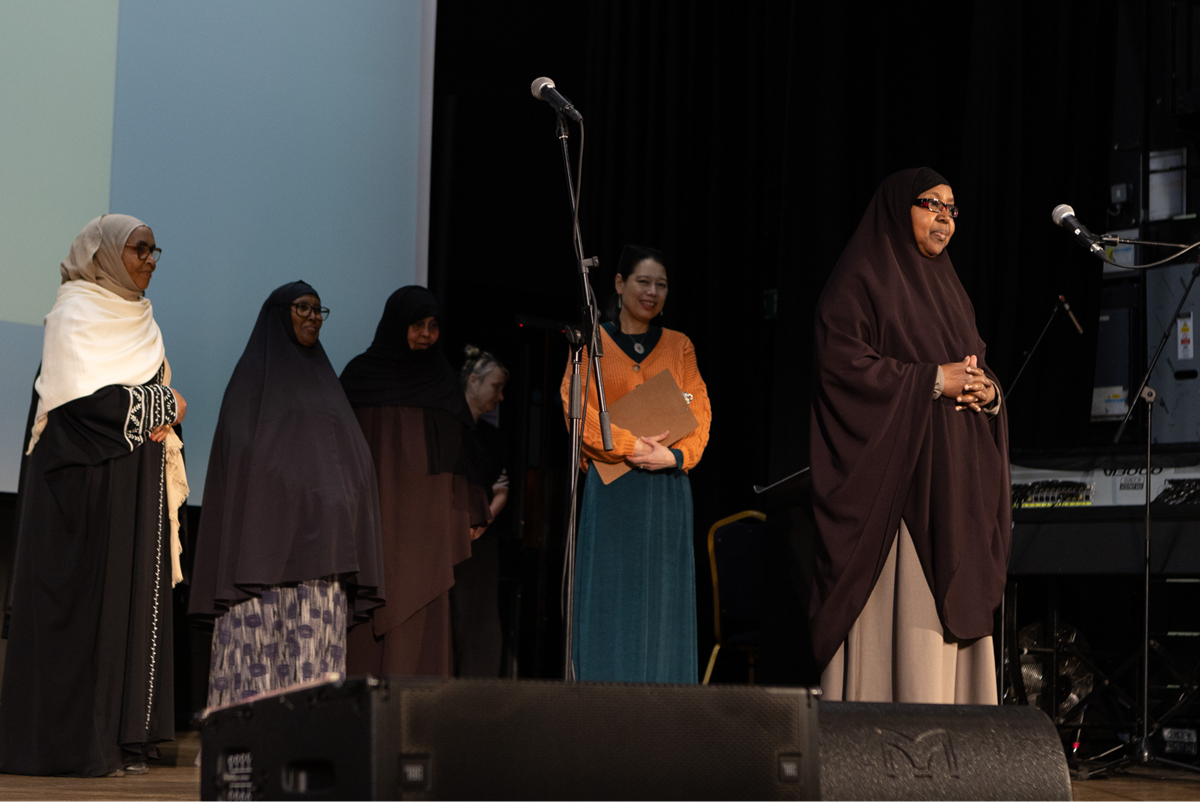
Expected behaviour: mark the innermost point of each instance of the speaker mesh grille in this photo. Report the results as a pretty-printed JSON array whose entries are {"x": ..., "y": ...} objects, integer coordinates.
[{"x": 598, "y": 741}]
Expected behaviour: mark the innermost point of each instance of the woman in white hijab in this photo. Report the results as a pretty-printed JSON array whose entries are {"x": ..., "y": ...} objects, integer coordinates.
[{"x": 87, "y": 685}]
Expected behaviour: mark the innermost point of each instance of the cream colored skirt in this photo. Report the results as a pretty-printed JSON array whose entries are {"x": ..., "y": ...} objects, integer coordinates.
[{"x": 898, "y": 650}]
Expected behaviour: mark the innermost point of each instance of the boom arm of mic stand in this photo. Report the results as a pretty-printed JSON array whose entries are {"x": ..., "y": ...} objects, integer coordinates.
[
  {"x": 1154, "y": 362},
  {"x": 1122, "y": 241},
  {"x": 1012, "y": 387}
]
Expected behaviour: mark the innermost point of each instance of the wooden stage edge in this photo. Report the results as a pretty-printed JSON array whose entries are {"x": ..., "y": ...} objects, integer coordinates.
[{"x": 175, "y": 778}]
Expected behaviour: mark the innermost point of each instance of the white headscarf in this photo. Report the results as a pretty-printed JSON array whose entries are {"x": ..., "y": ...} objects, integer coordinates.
[
  {"x": 95, "y": 255},
  {"x": 101, "y": 332}
]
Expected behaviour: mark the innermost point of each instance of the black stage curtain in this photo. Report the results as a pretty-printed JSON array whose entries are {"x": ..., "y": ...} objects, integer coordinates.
[{"x": 745, "y": 140}]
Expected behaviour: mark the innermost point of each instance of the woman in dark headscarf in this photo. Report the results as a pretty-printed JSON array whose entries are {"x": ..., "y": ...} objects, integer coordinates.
[
  {"x": 417, "y": 423},
  {"x": 88, "y": 681},
  {"x": 909, "y": 463},
  {"x": 288, "y": 552}
]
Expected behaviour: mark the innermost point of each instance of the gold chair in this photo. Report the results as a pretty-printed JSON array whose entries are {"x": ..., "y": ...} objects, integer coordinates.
[{"x": 738, "y": 553}]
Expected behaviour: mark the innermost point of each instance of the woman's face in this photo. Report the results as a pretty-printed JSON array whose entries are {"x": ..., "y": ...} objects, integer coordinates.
[
  {"x": 643, "y": 293},
  {"x": 487, "y": 390},
  {"x": 423, "y": 334},
  {"x": 307, "y": 327},
  {"x": 140, "y": 270},
  {"x": 933, "y": 230}
]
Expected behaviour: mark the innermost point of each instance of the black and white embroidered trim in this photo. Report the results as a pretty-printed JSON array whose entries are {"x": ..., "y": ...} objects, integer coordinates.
[
  {"x": 154, "y": 615},
  {"x": 150, "y": 406}
]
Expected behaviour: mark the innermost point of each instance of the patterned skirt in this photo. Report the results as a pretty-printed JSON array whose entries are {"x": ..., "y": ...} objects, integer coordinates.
[{"x": 290, "y": 634}]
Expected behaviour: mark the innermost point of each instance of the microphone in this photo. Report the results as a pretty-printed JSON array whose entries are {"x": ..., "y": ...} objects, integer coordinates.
[
  {"x": 1063, "y": 300},
  {"x": 1063, "y": 215},
  {"x": 543, "y": 89}
]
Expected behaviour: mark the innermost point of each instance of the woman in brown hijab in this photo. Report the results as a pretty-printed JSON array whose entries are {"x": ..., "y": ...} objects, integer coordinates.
[
  {"x": 415, "y": 417},
  {"x": 909, "y": 463}
]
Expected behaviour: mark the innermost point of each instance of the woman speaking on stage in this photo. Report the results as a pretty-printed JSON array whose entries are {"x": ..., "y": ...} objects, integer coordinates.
[
  {"x": 910, "y": 466},
  {"x": 635, "y": 583},
  {"x": 88, "y": 671}
]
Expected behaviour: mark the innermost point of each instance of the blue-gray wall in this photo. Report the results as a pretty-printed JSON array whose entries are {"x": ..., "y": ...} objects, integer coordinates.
[{"x": 264, "y": 142}]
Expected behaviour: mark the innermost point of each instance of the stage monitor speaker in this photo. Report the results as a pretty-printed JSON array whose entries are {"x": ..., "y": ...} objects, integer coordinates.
[
  {"x": 497, "y": 739},
  {"x": 889, "y": 751}
]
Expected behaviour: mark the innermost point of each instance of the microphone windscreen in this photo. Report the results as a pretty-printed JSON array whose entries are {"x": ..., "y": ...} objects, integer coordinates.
[
  {"x": 538, "y": 85},
  {"x": 1061, "y": 211}
]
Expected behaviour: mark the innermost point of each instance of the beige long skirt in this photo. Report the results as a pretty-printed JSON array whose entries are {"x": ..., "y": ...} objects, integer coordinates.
[{"x": 898, "y": 650}]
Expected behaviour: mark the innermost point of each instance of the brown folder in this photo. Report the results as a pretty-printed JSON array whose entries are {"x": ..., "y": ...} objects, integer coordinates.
[{"x": 648, "y": 410}]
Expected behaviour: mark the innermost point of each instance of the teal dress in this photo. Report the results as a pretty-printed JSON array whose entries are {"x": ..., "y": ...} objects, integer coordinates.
[{"x": 635, "y": 578}]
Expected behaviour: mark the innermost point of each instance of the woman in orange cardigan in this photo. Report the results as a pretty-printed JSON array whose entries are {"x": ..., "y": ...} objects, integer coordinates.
[{"x": 635, "y": 583}]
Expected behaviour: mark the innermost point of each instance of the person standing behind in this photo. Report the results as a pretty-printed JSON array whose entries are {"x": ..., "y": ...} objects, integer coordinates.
[
  {"x": 415, "y": 418},
  {"x": 475, "y": 597},
  {"x": 289, "y": 550},
  {"x": 635, "y": 584},
  {"x": 88, "y": 685}
]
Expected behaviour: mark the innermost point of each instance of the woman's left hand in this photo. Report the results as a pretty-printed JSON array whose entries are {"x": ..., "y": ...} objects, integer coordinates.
[
  {"x": 160, "y": 433},
  {"x": 658, "y": 457},
  {"x": 978, "y": 392}
]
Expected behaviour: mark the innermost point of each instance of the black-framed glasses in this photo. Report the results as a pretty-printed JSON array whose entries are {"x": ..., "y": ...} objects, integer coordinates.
[
  {"x": 305, "y": 310},
  {"x": 934, "y": 205},
  {"x": 144, "y": 251}
]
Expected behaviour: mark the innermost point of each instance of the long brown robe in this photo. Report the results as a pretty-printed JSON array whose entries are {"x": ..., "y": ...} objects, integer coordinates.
[
  {"x": 882, "y": 450},
  {"x": 417, "y": 424},
  {"x": 426, "y": 520}
]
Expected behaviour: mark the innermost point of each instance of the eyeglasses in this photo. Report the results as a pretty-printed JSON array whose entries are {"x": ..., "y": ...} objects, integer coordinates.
[
  {"x": 305, "y": 310},
  {"x": 934, "y": 205},
  {"x": 144, "y": 251}
]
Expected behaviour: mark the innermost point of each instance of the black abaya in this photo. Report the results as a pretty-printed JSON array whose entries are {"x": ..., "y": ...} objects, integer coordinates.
[
  {"x": 88, "y": 677},
  {"x": 291, "y": 494}
]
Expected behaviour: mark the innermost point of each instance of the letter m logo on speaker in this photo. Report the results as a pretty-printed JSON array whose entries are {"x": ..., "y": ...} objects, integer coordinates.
[{"x": 929, "y": 755}]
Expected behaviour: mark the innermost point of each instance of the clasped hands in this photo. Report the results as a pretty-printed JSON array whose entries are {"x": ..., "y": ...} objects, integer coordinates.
[
  {"x": 967, "y": 384},
  {"x": 650, "y": 454}
]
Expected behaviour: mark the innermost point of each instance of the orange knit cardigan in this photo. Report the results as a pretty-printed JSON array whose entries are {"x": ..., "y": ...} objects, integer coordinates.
[{"x": 674, "y": 352}]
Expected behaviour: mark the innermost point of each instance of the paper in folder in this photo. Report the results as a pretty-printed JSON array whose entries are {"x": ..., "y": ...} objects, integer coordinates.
[{"x": 648, "y": 410}]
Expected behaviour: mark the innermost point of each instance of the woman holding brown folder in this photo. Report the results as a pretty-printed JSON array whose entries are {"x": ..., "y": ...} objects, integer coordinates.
[{"x": 635, "y": 609}]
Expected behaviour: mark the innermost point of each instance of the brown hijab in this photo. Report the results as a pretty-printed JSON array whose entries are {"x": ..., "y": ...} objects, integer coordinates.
[{"x": 882, "y": 449}]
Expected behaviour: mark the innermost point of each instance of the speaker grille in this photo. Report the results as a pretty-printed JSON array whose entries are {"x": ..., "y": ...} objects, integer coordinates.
[{"x": 600, "y": 741}]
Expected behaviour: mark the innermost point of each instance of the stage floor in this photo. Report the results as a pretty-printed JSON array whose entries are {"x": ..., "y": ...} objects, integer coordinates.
[
  {"x": 1140, "y": 784},
  {"x": 175, "y": 778},
  {"x": 172, "y": 777}
]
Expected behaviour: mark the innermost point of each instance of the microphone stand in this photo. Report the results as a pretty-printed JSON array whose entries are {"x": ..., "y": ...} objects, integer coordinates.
[
  {"x": 1008, "y": 393},
  {"x": 579, "y": 337},
  {"x": 1140, "y": 751}
]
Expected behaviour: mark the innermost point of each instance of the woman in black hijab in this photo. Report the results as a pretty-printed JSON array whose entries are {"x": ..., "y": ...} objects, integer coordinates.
[
  {"x": 909, "y": 463},
  {"x": 417, "y": 423},
  {"x": 289, "y": 551}
]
